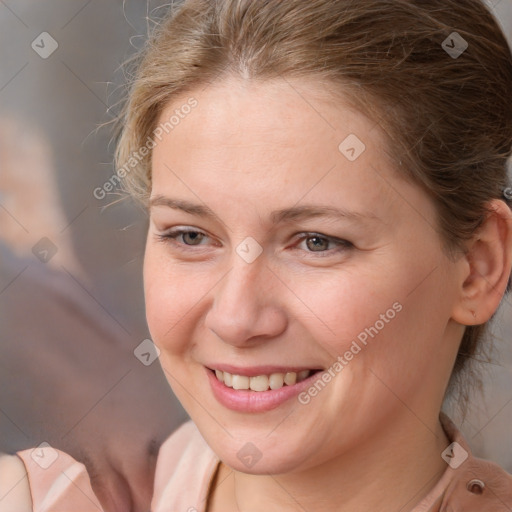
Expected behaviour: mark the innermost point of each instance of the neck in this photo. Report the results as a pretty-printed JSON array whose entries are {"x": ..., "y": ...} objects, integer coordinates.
[{"x": 392, "y": 471}]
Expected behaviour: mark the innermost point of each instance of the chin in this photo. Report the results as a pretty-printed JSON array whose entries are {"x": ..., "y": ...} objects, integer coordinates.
[
  {"x": 265, "y": 466},
  {"x": 261, "y": 457}
]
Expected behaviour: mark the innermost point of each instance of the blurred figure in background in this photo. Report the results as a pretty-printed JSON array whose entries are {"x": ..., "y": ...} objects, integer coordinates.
[
  {"x": 69, "y": 376},
  {"x": 71, "y": 311}
]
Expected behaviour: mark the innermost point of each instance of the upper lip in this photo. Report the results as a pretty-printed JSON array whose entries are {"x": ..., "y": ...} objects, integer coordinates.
[{"x": 254, "y": 371}]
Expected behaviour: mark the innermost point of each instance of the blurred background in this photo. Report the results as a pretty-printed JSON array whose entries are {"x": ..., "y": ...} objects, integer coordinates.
[{"x": 71, "y": 299}]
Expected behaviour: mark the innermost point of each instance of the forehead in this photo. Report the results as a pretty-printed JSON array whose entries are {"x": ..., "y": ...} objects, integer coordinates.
[
  {"x": 285, "y": 112},
  {"x": 276, "y": 141}
]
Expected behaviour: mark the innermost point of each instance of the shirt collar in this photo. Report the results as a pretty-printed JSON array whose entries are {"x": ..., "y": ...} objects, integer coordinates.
[{"x": 186, "y": 467}]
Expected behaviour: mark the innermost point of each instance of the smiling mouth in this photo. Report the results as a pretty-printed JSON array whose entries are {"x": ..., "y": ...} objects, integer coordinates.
[{"x": 262, "y": 382}]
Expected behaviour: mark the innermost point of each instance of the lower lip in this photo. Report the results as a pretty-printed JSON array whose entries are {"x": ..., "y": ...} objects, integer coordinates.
[{"x": 255, "y": 401}]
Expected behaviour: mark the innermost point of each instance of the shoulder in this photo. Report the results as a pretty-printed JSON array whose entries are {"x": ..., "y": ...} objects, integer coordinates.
[
  {"x": 474, "y": 484},
  {"x": 184, "y": 444},
  {"x": 184, "y": 469},
  {"x": 480, "y": 485},
  {"x": 14, "y": 486},
  {"x": 56, "y": 481}
]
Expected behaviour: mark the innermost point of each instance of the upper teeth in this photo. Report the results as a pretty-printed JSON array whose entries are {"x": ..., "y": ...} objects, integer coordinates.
[{"x": 261, "y": 382}]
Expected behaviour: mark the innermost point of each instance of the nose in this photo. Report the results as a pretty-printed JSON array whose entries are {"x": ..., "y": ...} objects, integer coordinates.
[{"x": 246, "y": 310}]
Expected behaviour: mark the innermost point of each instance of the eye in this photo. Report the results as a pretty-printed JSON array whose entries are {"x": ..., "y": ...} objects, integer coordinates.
[
  {"x": 190, "y": 237},
  {"x": 317, "y": 243}
]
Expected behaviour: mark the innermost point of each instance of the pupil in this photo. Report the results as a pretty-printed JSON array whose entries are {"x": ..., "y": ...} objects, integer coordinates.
[
  {"x": 318, "y": 239},
  {"x": 194, "y": 235}
]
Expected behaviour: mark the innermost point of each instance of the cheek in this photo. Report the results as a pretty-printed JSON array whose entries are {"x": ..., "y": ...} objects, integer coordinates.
[
  {"x": 405, "y": 333},
  {"x": 348, "y": 306},
  {"x": 384, "y": 319},
  {"x": 169, "y": 299}
]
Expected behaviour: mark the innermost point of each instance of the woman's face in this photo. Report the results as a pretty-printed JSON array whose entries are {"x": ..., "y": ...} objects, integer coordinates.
[{"x": 304, "y": 251}]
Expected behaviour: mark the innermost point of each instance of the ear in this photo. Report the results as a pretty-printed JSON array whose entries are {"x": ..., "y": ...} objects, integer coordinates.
[{"x": 486, "y": 267}]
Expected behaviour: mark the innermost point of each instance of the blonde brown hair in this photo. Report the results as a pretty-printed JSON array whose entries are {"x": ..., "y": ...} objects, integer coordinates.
[{"x": 447, "y": 118}]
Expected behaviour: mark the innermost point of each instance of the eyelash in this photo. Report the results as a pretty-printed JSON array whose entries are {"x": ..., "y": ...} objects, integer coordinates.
[{"x": 343, "y": 245}]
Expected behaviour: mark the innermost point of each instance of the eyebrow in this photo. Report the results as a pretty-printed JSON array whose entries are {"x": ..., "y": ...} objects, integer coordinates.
[{"x": 294, "y": 213}]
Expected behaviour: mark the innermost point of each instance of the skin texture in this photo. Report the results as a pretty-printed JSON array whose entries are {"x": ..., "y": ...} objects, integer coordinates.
[{"x": 250, "y": 148}]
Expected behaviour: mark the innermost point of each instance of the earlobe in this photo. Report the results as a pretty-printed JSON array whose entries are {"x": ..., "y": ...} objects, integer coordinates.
[{"x": 487, "y": 266}]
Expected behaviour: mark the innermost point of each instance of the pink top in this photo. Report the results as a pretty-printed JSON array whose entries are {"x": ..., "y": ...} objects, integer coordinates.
[{"x": 186, "y": 466}]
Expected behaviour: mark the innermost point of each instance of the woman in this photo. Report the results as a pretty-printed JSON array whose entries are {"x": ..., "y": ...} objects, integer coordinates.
[{"x": 329, "y": 234}]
